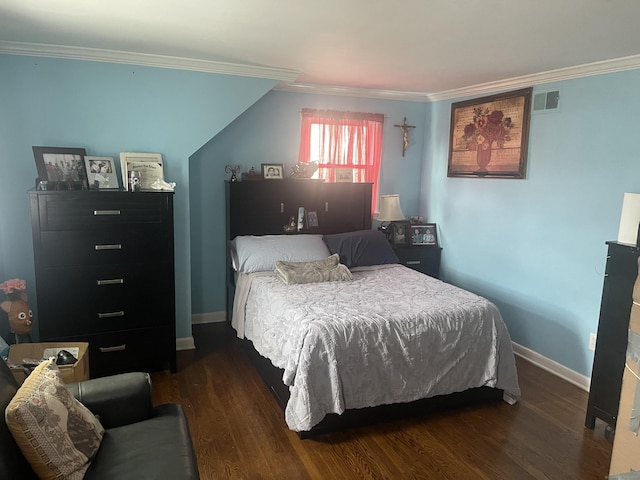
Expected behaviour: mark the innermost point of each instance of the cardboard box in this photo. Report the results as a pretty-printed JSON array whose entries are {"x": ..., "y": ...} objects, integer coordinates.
[
  {"x": 625, "y": 457},
  {"x": 26, "y": 352}
]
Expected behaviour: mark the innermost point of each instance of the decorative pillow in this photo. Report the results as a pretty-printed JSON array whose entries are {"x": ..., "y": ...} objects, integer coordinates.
[
  {"x": 361, "y": 248},
  {"x": 260, "y": 253},
  {"x": 327, "y": 270},
  {"x": 56, "y": 433}
]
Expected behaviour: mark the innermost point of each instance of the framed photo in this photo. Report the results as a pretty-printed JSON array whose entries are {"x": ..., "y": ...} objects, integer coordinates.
[
  {"x": 489, "y": 136},
  {"x": 424, "y": 234},
  {"x": 271, "y": 171},
  {"x": 344, "y": 175},
  {"x": 61, "y": 165},
  {"x": 312, "y": 220},
  {"x": 148, "y": 166},
  {"x": 101, "y": 172},
  {"x": 400, "y": 233}
]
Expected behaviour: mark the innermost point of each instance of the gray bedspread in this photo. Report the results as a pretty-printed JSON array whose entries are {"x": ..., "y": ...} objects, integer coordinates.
[{"x": 390, "y": 335}]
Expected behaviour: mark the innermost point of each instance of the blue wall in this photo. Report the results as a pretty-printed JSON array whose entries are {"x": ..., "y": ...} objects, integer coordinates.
[
  {"x": 537, "y": 246},
  {"x": 269, "y": 132},
  {"x": 107, "y": 109},
  {"x": 534, "y": 246}
]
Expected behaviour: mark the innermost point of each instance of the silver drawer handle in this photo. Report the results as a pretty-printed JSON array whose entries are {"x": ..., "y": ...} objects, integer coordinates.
[
  {"x": 111, "y": 314},
  {"x": 114, "y": 281},
  {"x": 413, "y": 262},
  {"x": 114, "y": 246},
  {"x": 117, "y": 348},
  {"x": 106, "y": 212}
]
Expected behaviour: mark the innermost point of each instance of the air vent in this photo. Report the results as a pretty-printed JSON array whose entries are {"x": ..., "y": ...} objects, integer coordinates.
[{"x": 546, "y": 101}]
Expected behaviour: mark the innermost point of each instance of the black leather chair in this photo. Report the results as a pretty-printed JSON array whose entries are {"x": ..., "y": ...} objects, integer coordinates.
[{"x": 140, "y": 441}]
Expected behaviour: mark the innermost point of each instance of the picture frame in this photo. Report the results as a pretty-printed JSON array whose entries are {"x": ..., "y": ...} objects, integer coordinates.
[
  {"x": 101, "y": 173},
  {"x": 424, "y": 234},
  {"x": 272, "y": 171},
  {"x": 489, "y": 136},
  {"x": 149, "y": 166},
  {"x": 61, "y": 167},
  {"x": 312, "y": 219},
  {"x": 400, "y": 233},
  {"x": 344, "y": 175}
]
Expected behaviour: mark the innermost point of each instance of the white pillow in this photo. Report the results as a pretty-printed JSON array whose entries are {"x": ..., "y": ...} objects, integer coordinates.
[{"x": 260, "y": 253}]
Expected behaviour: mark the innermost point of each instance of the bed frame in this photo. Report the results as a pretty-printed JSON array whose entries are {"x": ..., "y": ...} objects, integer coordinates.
[{"x": 266, "y": 199}]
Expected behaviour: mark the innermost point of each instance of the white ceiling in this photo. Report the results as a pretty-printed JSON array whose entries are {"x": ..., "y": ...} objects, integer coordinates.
[{"x": 423, "y": 47}]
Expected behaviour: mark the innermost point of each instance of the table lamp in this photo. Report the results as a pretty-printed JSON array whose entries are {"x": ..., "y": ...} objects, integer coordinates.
[{"x": 390, "y": 211}]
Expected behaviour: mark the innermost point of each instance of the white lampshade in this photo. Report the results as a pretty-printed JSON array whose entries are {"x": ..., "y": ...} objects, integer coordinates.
[
  {"x": 390, "y": 208},
  {"x": 629, "y": 219}
]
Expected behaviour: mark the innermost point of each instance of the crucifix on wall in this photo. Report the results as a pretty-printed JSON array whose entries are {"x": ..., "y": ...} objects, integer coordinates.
[{"x": 405, "y": 134}]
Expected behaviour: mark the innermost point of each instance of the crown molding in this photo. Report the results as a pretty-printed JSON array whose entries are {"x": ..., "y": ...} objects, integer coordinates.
[
  {"x": 287, "y": 77},
  {"x": 568, "y": 73},
  {"x": 351, "y": 92},
  {"x": 145, "y": 59}
]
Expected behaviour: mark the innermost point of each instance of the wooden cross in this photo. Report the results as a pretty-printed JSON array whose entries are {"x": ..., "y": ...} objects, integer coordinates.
[{"x": 405, "y": 134}]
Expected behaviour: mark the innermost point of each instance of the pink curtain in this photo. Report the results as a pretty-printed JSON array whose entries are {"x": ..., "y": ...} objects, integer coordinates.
[{"x": 344, "y": 139}]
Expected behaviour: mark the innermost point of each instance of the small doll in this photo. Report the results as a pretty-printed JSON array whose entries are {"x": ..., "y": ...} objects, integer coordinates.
[{"x": 18, "y": 311}]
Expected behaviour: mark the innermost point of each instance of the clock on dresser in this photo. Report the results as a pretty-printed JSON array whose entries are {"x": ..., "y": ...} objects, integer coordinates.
[{"x": 105, "y": 275}]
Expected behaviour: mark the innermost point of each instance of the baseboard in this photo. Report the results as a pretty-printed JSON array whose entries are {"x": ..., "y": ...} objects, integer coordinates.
[
  {"x": 209, "y": 317},
  {"x": 551, "y": 366},
  {"x": 185, "y": 343}
]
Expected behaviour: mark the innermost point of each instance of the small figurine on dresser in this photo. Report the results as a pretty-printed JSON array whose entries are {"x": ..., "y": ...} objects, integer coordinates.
[{"x": 17, "y": 309}]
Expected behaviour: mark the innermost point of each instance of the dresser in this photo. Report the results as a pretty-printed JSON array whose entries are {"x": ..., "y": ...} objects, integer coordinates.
[
  {"x": 611, "y": 344},
  {"x": 105, "y": 275},
  {"x": 421, "y": 258}
]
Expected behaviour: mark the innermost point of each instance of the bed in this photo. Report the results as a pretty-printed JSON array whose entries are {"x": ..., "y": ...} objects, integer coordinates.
[{"x": 337, "y": 327}]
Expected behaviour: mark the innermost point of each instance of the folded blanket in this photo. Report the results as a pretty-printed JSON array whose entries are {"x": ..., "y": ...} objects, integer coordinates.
[{"x": 326, "y": 270}]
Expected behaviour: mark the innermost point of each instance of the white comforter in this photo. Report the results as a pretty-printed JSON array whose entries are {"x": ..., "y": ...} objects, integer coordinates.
[{"x": 390, "y": 335}]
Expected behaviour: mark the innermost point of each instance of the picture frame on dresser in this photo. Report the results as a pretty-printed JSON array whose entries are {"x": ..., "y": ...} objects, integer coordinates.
[
  {"x": 425, "y": 234},
  {"x": 149, "y": 167},
  {"x": 61, "y": 167},
  {"x": 400, "y": 233},
  {"x": 101, "y": 173}
]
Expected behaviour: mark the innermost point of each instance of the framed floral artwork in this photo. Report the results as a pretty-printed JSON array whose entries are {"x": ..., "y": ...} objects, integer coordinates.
[{"x": 489, "y": 136}]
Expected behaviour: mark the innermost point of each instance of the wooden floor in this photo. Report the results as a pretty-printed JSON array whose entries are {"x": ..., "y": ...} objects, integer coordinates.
[{"x": 239, "y": 431}]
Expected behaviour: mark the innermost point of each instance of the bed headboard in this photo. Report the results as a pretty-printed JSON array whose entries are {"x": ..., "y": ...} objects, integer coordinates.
[{"x": 264, "y": 207}]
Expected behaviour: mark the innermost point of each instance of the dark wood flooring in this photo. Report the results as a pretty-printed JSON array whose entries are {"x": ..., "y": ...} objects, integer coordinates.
[{"x": 239, "y": 432}]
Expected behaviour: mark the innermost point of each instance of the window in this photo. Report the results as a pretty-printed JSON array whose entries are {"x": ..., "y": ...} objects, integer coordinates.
[{"x": 343, "y": 140}]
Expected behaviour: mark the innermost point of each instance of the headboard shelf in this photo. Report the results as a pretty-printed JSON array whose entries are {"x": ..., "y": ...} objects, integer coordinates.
[{"x": 265, "y": 207}]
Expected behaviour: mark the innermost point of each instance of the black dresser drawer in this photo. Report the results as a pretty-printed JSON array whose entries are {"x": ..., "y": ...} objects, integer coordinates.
[
  {"x": 87, "y": 300},
  {"x": 142, "y": 350},
  {"x": 88, "y": 210},
  {"x": 104, "y": 265},
  {"x": 118, "y": 245},
  {"x": 423, "y": 259}
]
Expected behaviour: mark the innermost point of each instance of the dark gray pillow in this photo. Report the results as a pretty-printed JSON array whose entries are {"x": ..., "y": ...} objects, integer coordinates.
[{"x": 361, "y": 248}]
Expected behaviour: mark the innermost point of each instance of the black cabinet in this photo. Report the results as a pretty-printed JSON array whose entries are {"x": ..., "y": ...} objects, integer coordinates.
[
  {"x": 611, "y": 344},
  {"x": 423, "y": 259},
  {"x": 105, "y": 275}
]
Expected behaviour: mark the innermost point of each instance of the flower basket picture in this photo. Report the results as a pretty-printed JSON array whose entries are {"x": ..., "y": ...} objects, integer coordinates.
[{"x": 489, "y": 136}]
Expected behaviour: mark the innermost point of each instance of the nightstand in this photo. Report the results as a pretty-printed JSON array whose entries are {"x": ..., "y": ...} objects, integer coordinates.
[{"x": 423, "y": 259}]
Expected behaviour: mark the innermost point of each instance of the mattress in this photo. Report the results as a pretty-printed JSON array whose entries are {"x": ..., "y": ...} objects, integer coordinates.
[{"x": 390, "y": 335}]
